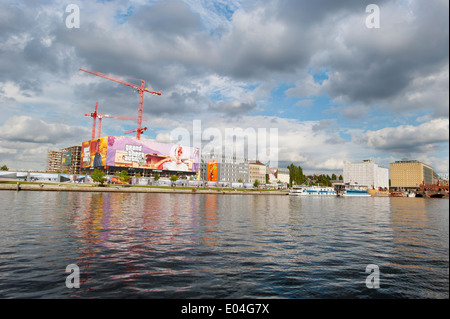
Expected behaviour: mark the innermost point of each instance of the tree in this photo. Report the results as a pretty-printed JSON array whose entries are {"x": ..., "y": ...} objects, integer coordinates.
[
  {"x": 256, "y": 183},
  {"x": 301, "y": 177},
  {"x": 4, "y": 168},
  {"x": 240, "y": 180},
  {"x": 156, "y": 177},
  {"x": 124, "y": 177},
  {"x": 292, "y": 173},
  {"x": 98, "y": 176},
  {"x": 174, "y": 178},
  {"x": 296, "y": 175}
]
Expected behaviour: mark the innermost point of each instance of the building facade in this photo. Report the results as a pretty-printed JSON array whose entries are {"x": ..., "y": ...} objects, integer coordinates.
[
  {"x": 229, "y": 169},
  {"x": 257, "y": 172},
  {"x": 366, "y": 173},
  {"x": 53, "y": 161},
  {"x": 410, "y": 174},
  {"x": 66, "y": 160},
  {"x": 283, "y": 176},
  {"x": 71, "y": 159}
]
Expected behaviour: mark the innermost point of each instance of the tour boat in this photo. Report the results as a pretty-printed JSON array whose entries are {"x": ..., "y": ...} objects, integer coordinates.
[
  {"x": 312, "y": 191},
  {"x": 355, "y": 190},
  {"x": 356, "y": 193}
]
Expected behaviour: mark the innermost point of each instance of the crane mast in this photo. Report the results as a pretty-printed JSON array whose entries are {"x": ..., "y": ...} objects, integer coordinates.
[
  {"x": 141, "y": 90},
  {"x": 98, "y": 116}
]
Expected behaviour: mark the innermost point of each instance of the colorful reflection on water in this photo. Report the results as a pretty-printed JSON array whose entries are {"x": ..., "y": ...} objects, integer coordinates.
[{"x": 221, "y": 246}]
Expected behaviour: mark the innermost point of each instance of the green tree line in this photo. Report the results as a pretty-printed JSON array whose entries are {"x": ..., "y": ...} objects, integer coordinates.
[{"x": 296, "y": 177}]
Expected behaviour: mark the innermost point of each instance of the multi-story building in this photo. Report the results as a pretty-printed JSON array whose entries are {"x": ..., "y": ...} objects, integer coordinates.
[
  {"x": 257, "y": 172},
  {"x": 283, "y": 176},
  {"x": 53, "y": 161},
  {"x": 66, "y": 160},
  {"x": 229, "y": 169},
  {"x": 71, "y": 159},
  {"x": 409, "y": 174},
  {"x": 366, "y": 173}
]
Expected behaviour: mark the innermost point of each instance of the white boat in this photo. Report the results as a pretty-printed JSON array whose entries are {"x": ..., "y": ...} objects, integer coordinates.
[
  {"x": 312, "y": 191},
  {"x": 356, "y": 193},
  {"x": 356, "y": 190}
]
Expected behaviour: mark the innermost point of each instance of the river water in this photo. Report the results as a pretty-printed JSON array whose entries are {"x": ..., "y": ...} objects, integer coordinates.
[{"x": 222, "y": 246}]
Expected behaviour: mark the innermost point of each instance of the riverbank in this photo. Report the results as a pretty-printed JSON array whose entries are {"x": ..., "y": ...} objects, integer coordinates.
[{"x": 133, "y": 189}]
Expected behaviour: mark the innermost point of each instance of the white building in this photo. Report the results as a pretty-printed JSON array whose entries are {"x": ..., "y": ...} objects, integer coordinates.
[
  {"x": 256, "y": 171},
  {"x": 229, "y": 168},
  {"x": 366, "y": 173},
  {"x": 283, "y": 176}
]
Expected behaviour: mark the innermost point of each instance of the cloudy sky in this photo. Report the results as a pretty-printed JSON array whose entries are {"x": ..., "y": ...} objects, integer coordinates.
[{"x": 335, "y": 89}]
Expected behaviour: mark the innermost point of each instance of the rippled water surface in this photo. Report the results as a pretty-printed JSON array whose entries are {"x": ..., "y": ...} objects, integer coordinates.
[{"x": 221, "y": 246}]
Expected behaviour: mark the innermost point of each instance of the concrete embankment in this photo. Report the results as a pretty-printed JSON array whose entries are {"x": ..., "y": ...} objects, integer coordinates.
[{"x": 121, "y": 189}]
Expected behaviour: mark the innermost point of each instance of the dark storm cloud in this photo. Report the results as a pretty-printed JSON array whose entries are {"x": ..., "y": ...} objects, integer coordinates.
[
  {"x": 377, "y": 65},
  {"x": 121, "y": 100},
  {"x": 402, "y": 66},
  {"x": 235, "y": 108},
  {"x": 281, "y": 36},
  {"x": 28, "y": 51},
  {"x": 112, "y": 98},
  {"x": 166, "y": 18},
  {"x": 161, "y": 44},
  {"x": 305, "y": 13},
  {"x": 164, "y": 44},
  {"x": 366, "y": 66},
  {"x": 176, "y": 104}
]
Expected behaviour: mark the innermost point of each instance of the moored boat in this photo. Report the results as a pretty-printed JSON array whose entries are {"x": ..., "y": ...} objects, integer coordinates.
[
  {"x": 312, "y": 191},
  {"x": 355, "y": 190},
  {"x": 356, "y": 193}
]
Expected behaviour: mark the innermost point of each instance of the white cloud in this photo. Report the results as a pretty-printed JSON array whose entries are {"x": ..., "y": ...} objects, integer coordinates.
[
  {"x": 222, "y": 58},
  {"x": 27, "y": 129},
  {"x": 306, "y": 87},
  {"x": 408, "y": 139}
]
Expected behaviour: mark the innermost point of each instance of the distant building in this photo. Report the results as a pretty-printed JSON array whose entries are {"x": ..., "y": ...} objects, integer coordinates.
[
  {"x": 366, "y": 173},
  {"x": 224, "y": 168},
  {"x": 283, "y": 176},
  {"x": 66, "y": 160},
  {"x": 410, "y": 174},
  {"x": 442, "y": 179},
  {"x": 71, "y": 159},
  {"x": 53, "y": 161},
  {"x": 256, "y": 171}
]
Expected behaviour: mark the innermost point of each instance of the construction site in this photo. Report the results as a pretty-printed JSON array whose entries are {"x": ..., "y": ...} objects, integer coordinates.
[{"x": 113, "y": 154}]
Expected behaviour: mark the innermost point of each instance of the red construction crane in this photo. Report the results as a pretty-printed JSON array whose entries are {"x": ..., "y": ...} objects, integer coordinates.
[
  {"x": 135, "y": 130},
  {"x": 141, "y": 89},
  {"x": 101, "y": 116},
  {"x": 96, "y": 116}
]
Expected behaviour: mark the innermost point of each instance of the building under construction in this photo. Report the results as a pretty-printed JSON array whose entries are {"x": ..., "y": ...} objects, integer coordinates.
[
  {"x": 113, "y": 154},
  {"x": 66, "y": 160}
]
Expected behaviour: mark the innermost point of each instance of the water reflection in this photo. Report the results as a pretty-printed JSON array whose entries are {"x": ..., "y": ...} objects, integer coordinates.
[
  {"x": 412, "y": 234},
  {"x": 210, "y": 220},
  {"x": 221, "y": 246}
]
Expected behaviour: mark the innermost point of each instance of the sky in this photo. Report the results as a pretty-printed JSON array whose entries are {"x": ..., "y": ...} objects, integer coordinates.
[{"x": 335, "y": 89}]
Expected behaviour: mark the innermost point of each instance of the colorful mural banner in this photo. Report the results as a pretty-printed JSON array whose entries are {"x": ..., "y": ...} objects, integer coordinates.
[
  {"x": 66, "y": 158},
  {"x": 127, "y": 152},
  {"x": 93, "y": 153},
  {"x": 212, "y": 171}
]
